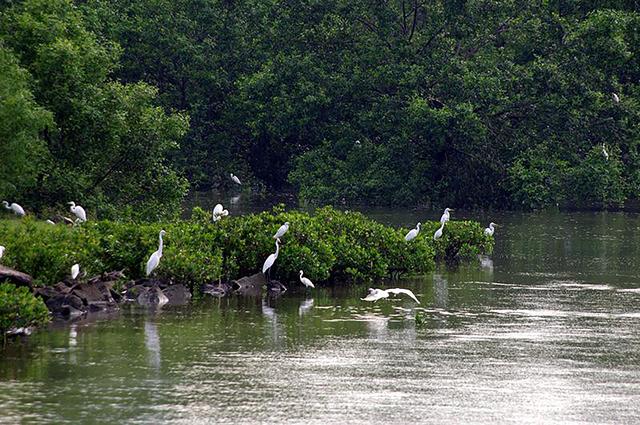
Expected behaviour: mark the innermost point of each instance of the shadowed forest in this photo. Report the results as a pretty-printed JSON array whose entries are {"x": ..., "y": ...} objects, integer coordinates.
[{"x": 126, "y": 105}]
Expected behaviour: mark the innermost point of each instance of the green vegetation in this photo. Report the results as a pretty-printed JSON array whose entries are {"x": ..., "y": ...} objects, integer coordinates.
[
  {"x": 328, "y": 245},
  {"x": 19, "y": 308},
  {"x": 466, "y": 103}
]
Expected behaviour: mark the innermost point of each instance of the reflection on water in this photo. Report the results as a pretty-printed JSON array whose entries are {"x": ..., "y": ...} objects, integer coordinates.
[{"x": 546, "y": 334}]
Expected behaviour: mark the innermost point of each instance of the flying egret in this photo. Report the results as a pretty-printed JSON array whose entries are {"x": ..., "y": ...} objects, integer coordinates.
[
  {"x": 271, "y": 258},
  {"x": 489, "y": 230},
  {"x": 2, "y": 248},
  {"x": 445, "y": 216},
  {"x": 306, "y": 282},
  {"x": 282, "y": 230},
  {"x": 154, "y": 260},
  {"x": 438, "y": 234},
  {"x": 616, "y": 98},
  {"x": 78, "y": 211},
  {"x": 604, "y": 152},
  {"x": 235, "y": 179},
  {"x": 219, "y": 212},
  {"x": 75, "y": 271},
  {"x": 378, "y": 294},
  {"x": 412, "y": 233},
  {"x": 17, "y": 209}
]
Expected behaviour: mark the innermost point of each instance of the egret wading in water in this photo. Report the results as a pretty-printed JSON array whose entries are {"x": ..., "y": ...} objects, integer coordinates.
[
  {"x": 604, "y": 152},
  {"x": 438, "y": 234},
  {"x": 282, "y": 230},
  {"x": 306, "y": 282},
  {"x": 154, "y": 260},
  {"x": 219, "y": 212},
  {"x": 78, "y": 211},
  {"x": 75, "y": 271},
  {"x": 271, "y": 258},
  {"x": 412, "y": 233},
  {"x": 16, "y": 208},
  {"x": 445, "y": 216},
  {"x": 235, "y": 179},
  {"x": 489, "y": 230},
  {"x": 378, "y": 294}
]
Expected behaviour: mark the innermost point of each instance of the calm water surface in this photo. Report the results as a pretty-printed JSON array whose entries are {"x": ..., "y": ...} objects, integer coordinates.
[{"x": 547, "y": 330}]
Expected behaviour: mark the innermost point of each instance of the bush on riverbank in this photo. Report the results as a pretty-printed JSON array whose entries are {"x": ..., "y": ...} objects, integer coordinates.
[
  {"x": 19, "y": 308},
  {"x": 327, "y": 245}
]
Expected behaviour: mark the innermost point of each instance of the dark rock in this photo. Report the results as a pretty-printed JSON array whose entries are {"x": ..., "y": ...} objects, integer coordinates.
[
  {"x": 177, "y": 294},
  {"x": 15, "y": 277},
  {"x": 152, "y": 297},
  {"x": 275, "y": 287},
  {"x": 66, "y": 306},
  {"x": 249, "y": 285},
  {"x": 219, "y": 289}
]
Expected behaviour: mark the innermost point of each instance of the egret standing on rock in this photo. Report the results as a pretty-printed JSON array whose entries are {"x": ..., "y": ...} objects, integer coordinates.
[
  {"x": 412, "y": 233},
  {"x": 438, "y": 234},
  {"x": 78, "y": 211},
  {"x": 17, "y": 209},
  {"x": 154, "y": 260},
  {"x": 75, "y": 271},
  {"x": 306, "y": 282},
  {"x": 489, "y": 230},
  {"x": 445, "y": 216},
  {"x": 281, "y": 231},
  {"x": 235, "y": 179},
  {"x": 271, "y": 258}
]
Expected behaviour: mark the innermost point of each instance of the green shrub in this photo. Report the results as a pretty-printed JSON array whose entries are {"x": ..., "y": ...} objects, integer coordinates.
[{"x": 19, "y": 308}]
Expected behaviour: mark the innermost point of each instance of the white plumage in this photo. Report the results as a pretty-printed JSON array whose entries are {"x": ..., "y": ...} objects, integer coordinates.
[
  {"x": 235, "y": 179},
  {"x": 154, "y": 260},
  {"x": 16, "y": 208},
  {"x": 2, "y": 248},
  {"x": 306, "y": 282},
  {"x": 281, "y": 231},
  {"x": 271, "y": 258},
  {"x": 438, "y": 234},
  {"x": 604, "y": 152},
  {"x": 616, "y": 98},
  {"x": 51, "y": 222},
  {"x": 489, "y": 230},
  {"x": 219, "y": 212},
  {"x": 78, "y": 211},
  {"x": 412, "y": 233},
  {"x": 377, "y": 294},
  {"x": 445, "y": 216},
  {"x": 75, "y": 271}
]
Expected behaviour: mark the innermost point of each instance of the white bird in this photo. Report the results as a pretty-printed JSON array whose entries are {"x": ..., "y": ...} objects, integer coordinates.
[
  {"x": 616, "y": 98},
  {"x": 219, "y": 212},
  {"x": 445, "y": 216},
  {"x": 604, "y": 152},
  {"x": 75, "y": 271},
  {"x": 154, "y": 260},
  {"x": 282, "y": 230},
  {"x": 235, "y": 179},
  {"x": 306, "y": 282},
  {"x": 51, "y": 222},
  {"x": 438, "y": 234},
  {"x": 412, "y": 233},
  {"x": 271, "y": 258},
  {"x": 17, "y": 209},
  {"x": 489, "y": 230},
  {"x": 78, "y": 211},
  {"x": 2, "y": 248},
  {"x": 377, "y": 294}
]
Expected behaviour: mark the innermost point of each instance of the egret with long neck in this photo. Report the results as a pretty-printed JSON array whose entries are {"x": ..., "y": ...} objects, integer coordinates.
[{"x": 154, "y": 260}]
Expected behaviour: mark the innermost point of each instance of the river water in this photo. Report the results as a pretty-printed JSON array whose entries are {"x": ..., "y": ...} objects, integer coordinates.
[{"x": 546, "y": 330}]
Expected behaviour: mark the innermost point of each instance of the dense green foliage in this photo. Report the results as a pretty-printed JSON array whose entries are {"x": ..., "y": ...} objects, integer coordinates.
[
  {"x": 466, "y": 102},
  {"x": 328, "y": 245},
  {"x": 19, "y": 308}
]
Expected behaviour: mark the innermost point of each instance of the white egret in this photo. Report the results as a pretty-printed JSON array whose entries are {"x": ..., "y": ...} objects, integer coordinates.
[
  {"x": 412, "y": 233},
  {"x": 219, "y": 212},
  {"x": 51, "y": 222},
  {"x": 378, "y": 294},
  {"x": 17, "y": 209},
  {"x": 75, "y": 271},
  {"x": 235, "y": 179},
  {"x": 78, "y": 211},
  {"x": 604, "y": 152},
  {"x": 271, "y": 258},
  {"x": 282, "y": 230},
  {"x": 616, "y": 98},
  {"x": 306, "y": 282},
  {"x": 154, "y": 260},
  {"x": 489, "y": 230},
  {"x": 438, "y": 234},
  {"x": 2, "y": 248},
  {"x": 445, "y": 216}
]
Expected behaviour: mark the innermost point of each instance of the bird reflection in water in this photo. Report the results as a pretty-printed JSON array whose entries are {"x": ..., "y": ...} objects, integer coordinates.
[
  {"x": 486, "y": 263},
  {"x": 440, "y": 291},
  {"x": 274, "y": 328},
  {"x": 152, "y": 343},
  {"x": 305, "y": 306}
]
